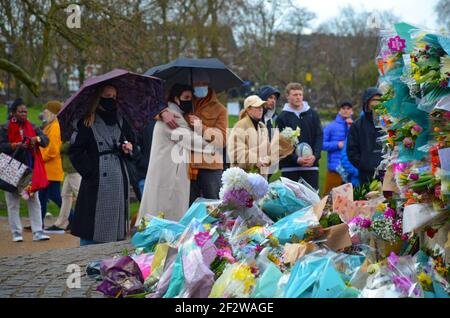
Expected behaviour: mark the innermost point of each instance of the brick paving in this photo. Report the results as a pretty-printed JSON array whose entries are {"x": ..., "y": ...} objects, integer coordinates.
[{"x": 45, "y": 275}]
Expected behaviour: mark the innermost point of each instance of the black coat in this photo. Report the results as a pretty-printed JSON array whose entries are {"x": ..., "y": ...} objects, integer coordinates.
[
  {"x": 84, "y": 155},
  {"x": 311, "y": 133},
  {"x": 145, "y": 143},
  {"x": 363, "y": 149}
]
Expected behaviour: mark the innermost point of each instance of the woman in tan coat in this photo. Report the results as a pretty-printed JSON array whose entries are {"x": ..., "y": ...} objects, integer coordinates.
[
  {"x": 249, "y": 147},
  {"x": 167, "y": 185}
]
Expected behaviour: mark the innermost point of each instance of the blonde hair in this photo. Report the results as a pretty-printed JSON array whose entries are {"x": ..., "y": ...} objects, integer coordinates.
[
  {"x": 90, "y": 117},
  {"x": 293, "y": 87}
]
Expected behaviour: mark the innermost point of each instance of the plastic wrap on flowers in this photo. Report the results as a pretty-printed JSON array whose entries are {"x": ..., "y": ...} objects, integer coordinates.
[
  {"x": 199, "y": 211},
  {"x": 301, "y": 191},
  {"x": 237, "y": 281},
  {"x": 281, "y": 201},
  {"x": 121, "y": 277},
  {"x": 394, "y": 278},
  {"x": 154, "y": 230},
  {"x": 295, "y": 224},
  {"x": 266, "y": 282},
  {"x": 314, "y": 276}
]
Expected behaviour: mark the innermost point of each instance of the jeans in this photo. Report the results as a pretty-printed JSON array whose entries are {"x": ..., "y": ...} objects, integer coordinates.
[
  {"x": 52, "y": 192},
  {"x": 141, "y": 184},
  {"x": 34, "y": 212},
  {"x": 84, "y": 242},
  {"x": 207, "y": 185}
]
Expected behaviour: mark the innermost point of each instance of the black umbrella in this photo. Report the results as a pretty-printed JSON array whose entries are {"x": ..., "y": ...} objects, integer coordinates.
[{"x": 180, "y": 71}]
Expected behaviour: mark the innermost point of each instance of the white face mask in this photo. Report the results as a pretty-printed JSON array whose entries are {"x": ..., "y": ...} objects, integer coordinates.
[{"x": 201, "y": 91}]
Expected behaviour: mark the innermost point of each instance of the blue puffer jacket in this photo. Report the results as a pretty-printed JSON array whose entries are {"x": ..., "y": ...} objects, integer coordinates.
[
  {"x": 352, "y": 172},
  {"x": 335, "y": 132}
]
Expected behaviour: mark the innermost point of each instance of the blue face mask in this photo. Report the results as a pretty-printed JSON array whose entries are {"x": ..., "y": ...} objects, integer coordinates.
[{"x": 201, "y": 91}]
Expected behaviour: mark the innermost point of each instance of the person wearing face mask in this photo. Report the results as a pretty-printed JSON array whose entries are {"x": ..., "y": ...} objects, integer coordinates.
[
  {"x": 52, "y": 157},
  {"x": 209, "y": 118},
  {"x": 20, "y": 139},
  {"x": 167, "y": 185},
  {"x": 270, "y": 95},
  {"x": 99, "y": 148},
  {"x": 363, "y": 149},
  {"x": 249, "y": 147}
]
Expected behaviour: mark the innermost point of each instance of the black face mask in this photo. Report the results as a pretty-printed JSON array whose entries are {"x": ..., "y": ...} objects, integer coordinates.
[
  {"x": 109, "y": 104},
  {"x": 186, "y": 106}
]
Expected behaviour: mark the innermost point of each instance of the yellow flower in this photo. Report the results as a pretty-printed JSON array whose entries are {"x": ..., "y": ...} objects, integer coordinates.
[
  {"x": 424, "y": 279},
  {"x": 416, "y": 76},
  {"x": 373, "y": 268},
  {"x": 207, "y": 227},
  {"x": 381, "y": 207},
  {"x": 244, "y": 274}
]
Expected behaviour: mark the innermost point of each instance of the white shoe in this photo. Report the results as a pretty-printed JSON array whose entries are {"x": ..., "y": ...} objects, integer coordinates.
[
  {"x": 17, "y": 237},
  {"x": 48, "y": 215},
  {"x": 40, "y": 236}
]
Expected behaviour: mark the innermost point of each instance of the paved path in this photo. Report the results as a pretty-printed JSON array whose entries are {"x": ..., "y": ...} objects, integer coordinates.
[{"x": 45, "y": 274}]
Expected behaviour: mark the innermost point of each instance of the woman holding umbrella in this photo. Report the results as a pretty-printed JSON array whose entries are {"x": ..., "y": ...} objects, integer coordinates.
[{"x": 101, "y": 145}]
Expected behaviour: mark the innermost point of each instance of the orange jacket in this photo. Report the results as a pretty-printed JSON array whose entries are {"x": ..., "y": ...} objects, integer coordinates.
[
  {"x": 214, "y": 118},
  {"x": 52, "y": 153}
]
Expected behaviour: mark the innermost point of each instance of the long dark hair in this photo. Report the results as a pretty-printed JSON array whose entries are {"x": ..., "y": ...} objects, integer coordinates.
[
  {"x": 90, "y": 116},
  {"x": 177, "y": 90}
]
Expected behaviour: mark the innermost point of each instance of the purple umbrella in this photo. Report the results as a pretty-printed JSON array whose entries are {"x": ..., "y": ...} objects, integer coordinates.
[{"x": 139, "y": 98}]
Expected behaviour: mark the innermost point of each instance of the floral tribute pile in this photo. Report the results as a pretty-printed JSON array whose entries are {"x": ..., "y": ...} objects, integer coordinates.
[{"x": 259, "y": 240}]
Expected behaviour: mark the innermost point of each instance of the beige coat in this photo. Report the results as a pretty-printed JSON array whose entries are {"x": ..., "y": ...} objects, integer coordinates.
[
  {"x": 246, "y": 146},
  {"x": 167, "y": 185}
]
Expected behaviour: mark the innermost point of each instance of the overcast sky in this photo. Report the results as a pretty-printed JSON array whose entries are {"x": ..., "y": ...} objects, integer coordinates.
[{"x": 417, "y": 12}]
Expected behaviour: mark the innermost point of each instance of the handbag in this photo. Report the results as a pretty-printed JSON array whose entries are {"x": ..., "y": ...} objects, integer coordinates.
[{"x": 14, "y": 175}]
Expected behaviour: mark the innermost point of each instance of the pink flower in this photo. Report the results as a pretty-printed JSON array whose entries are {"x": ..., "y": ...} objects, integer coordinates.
[
  {"x": 413, "y": 176},
  {"x": 408, "y": 142},
  {"x": 389, "y": 213},
  {"x": 417, "y": 128},
  {"x": 405, "y": 237},
  {"x": 398, "y": 226},
  {"x": 201, "y": 238},
  {"x": 365, "y": 223},
  {"x": 446, "y": 115},
  {"x": 226, "y": 254},
  {"x": 437, "y": 191}
]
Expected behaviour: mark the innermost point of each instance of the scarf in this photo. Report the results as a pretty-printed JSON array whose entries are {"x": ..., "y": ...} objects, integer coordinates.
[{"x": 23, "y": 133}]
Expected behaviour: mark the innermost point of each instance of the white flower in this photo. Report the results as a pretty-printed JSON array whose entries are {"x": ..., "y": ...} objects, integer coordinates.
[
  {"x": 291, "y": 135},
  {"x": 234, "y": 178}
]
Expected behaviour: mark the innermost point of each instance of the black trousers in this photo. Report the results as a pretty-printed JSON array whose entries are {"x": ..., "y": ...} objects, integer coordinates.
[
  {"x": 207, "y": 185},
  {"x": 310, "y": 176}
]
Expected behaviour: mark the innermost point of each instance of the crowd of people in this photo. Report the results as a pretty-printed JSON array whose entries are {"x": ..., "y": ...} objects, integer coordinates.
[{"x": 177, "y": 158}]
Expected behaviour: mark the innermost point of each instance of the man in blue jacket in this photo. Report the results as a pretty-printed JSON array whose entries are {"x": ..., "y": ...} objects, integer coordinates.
[{"x": 334, "y": 136}]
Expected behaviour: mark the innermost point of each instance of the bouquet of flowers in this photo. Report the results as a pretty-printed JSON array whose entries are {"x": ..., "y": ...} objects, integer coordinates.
[
  {"x": 407, "y": 134},
  {"x": 291, "y": 135},
  {"x": 240, "y": 189}
]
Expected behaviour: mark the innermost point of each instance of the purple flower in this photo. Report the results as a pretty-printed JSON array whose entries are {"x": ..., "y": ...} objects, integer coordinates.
[
  {"x": 237, "y": 198},
  {"x": 403, "y": 284},
  {"x": 405, "y": 237},
  {"x": 365, "y": 223},
  {"x": 393, "y": 261},
  {"x": 413, "y": 176},
  {"x": 389, "y": 213},
  {"x": 201, "y": 238}
]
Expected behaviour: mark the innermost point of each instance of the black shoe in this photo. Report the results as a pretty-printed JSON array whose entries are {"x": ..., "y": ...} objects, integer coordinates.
[
  {"x": 54, "y": 230},
  {"x": 27, "y": 228}
]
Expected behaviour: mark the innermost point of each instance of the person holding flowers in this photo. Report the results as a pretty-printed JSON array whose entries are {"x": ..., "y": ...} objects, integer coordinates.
[{"x": 249, "y": 147}]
